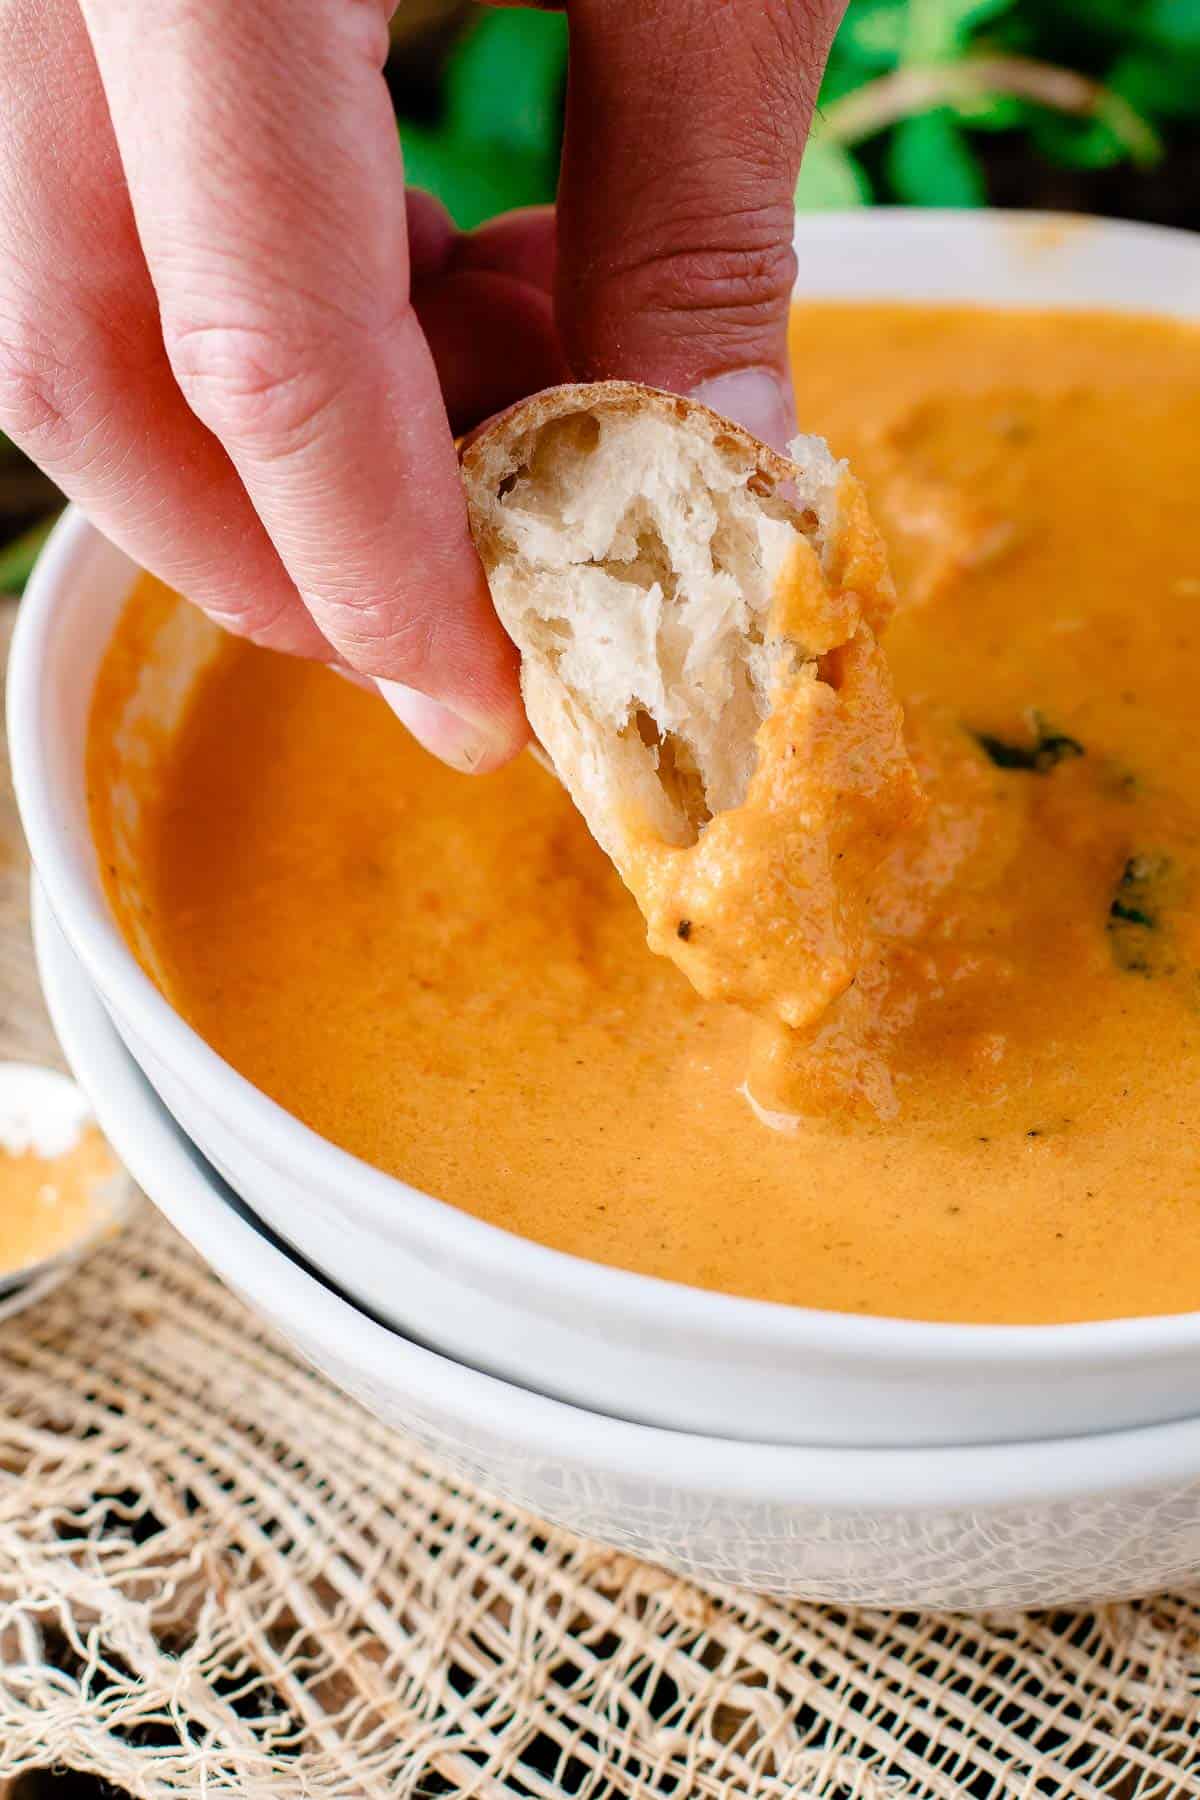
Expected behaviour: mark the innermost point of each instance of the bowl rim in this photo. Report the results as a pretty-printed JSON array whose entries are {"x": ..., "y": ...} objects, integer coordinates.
[
  {"x": 165, "y": 1162},
  {"x": 75, "y": 896}
]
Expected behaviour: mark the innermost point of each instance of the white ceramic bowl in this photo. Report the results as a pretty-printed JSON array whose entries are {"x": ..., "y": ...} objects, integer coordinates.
[
  {"x": 617, "y": 1342},
  {"x": 984, "y": 1526}
]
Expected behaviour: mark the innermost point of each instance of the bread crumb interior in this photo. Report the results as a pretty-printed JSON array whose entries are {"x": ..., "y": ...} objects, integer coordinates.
[{"x": 644, "y": 560}]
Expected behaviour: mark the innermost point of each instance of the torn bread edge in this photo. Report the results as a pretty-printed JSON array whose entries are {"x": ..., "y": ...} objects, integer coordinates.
[{"x": 679, "y": 593}]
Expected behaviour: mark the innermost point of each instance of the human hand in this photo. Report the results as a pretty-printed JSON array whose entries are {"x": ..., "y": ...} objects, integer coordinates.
[{"x": 225, "y": 333}]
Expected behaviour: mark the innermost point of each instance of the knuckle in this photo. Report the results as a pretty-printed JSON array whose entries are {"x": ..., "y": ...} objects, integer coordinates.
[
  {"x": 742, "y": 272},
  {"x": 745, "y": 283},
  {"x": 68, "y": 361},
  {"x": 723, "y": 289},
  {"x": 377, "y": 641},
  {"x": 41, "y": 394},
  {"x": 256, "y": 387}
]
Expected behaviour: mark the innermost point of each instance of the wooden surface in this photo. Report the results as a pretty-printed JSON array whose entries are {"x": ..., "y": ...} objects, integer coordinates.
[{"x": 25, "y": 1031}]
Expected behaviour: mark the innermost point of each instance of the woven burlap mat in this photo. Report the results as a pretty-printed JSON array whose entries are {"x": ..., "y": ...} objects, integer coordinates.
[{"x": 220, "y": 1576}]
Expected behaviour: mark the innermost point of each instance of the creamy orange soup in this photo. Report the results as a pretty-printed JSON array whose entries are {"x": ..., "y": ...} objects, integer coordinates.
[
  {"x": 48, "y": 1202},
  {"x": 445, "y": 976}
]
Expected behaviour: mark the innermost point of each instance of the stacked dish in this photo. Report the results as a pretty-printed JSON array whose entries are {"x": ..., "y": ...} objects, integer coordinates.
[
  {"x": 836, "y": 1456},
  {"x": 1032, "y": 1524}
]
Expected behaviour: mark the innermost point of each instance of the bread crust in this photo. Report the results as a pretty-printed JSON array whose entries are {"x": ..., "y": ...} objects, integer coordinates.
[
  {"x": 760, "y": 899},
  {"x": 481, "y": 451}
]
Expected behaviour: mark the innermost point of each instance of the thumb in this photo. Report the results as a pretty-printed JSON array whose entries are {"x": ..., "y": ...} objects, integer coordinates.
[{"x": 685, "y": 124}]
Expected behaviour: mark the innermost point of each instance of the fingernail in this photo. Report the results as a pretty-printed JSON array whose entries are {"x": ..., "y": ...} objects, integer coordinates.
[
  {"x": 462, "y": 743},
  {"x": 351, "y": 675},
  {"x": 759, "y": 399}
]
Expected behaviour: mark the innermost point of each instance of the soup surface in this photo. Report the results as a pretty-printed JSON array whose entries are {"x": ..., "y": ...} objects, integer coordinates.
[{"x": 445, "y": 976}]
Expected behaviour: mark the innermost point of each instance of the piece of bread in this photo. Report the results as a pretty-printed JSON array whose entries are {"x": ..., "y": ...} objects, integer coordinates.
[{"x": 696, "y": 618}]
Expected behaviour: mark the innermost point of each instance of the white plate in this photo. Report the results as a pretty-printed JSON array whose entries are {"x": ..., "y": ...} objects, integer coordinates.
[
  {"x": 1029, "y": 1525},
  {"x": 610, "y": 1340}
]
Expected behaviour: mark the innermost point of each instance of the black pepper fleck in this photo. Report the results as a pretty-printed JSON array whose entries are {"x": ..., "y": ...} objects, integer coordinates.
[{"x": 684, "y": 929}]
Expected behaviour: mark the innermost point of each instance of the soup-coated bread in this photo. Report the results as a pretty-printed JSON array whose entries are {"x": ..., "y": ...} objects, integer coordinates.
[{"x": 697, "y": 621}]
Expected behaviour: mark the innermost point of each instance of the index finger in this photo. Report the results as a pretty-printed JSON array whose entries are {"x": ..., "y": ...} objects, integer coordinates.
[{"x": 263, "y": 164}]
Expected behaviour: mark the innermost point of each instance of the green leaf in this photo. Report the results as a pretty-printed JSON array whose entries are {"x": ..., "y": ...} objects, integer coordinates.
[
  {"x": 930, "y": 163},
  {"x": 498, "y": 141},
  {"x": 874, "y": 32},
  {"x": 17, "y": 559},
  {"x": 504, "y": 84},
  {"x": 1159, "y": 86},
  {"x": 842, "y": 76},
  {"x": 471, "y": 184},
  {"x": 1076, "y": 143},
  {"x": 1175, "y": 24},
  {"x": 940, "y": 28},
  {"x": 974, "y": 13},
  {"x": 830, "y": 178}
]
